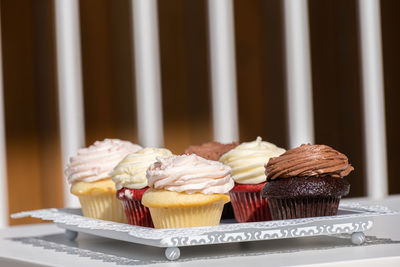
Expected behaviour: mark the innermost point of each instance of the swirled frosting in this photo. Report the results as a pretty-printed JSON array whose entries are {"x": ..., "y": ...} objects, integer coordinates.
[
  {"x": 96, "y": 161},
  {"x": 190, "y": 174},
  {"x": 211, "y": 150},
  {"x": 131, "y": 171},
  {"x": 308, "y": 160},
  {"x": 247, "y": 160}
]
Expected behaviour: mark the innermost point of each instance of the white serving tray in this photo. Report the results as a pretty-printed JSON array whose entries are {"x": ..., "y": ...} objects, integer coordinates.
[{"x": 352, "y": 218}]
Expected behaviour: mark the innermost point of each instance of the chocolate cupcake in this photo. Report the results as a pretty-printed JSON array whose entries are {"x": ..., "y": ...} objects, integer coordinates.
[
  {"x": 306, "y": 181},
  {"x": 213, "y": 151}
]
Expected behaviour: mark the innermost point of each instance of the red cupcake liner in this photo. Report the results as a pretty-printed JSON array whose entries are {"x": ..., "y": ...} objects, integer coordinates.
[
  {"x": 292, "y": 208},
  {"x": 248, "y": 187},
  {"x": 249, "y": 206},
  {"x": 135, "y": 212}
]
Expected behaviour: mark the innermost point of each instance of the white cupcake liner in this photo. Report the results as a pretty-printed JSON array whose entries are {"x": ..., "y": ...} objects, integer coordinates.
[
  {"x": 104, "y": 207},
  {"x": 206, "y": 215}
]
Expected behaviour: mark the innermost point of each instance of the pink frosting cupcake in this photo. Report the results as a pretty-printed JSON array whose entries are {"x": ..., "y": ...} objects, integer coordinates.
[
  {"x": 187, "y": 191},
  {"x": 88, "y": 174}
]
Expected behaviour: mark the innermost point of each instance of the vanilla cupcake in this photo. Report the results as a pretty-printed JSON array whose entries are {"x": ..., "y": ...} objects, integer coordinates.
[
  {"x": 88, "y": 174},
  {"x": 130, "y": 180},
  {"x": 213, "y": 151},
  {"x": 247, "y": 161},
  {"x": 187, "y": 191}
]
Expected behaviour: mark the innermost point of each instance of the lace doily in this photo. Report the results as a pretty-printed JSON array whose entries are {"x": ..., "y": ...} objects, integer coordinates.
[{"x": 42, "y": 242}]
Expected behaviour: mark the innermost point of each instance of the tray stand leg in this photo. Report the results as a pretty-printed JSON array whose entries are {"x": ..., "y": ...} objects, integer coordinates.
[
  {"x": 172, "y": 253},
  {"x": 358, "y": 238},
  {"x": 71, "y": 235}
]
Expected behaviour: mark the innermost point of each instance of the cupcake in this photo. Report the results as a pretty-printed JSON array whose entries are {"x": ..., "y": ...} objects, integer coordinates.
[
  {"x": 213, "y": 151},
  {"x": 130, "y": 180},
  {"x": 247, "y": 162},
  {"x": 187, "y": 191},
  {"x": 306, "y": 181},
  {"x": 88, "y": 174}
]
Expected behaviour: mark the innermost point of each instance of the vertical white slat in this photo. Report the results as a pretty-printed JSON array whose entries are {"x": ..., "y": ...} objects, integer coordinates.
[
  {"x": 373, "y": 98},
  {"x": 3, "y": 154},
  {"x": 223, "y": 70},
  {"x": 148, "y": 77},
  {"x": 298, "y": 73},
  {"x": 70, "y": 96}
]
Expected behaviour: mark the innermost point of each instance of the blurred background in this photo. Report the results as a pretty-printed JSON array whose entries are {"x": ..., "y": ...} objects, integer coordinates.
[{"x": 34, "y": 165}]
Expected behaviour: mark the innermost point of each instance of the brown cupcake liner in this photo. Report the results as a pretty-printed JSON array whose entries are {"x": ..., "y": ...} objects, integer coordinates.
[
  {"x": 292, "y": 208},
  {"x": 249, "y": 206},
  {"x": 136, "y": 213}
]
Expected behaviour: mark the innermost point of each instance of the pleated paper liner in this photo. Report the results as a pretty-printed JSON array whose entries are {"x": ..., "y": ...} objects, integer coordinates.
[
  {"x": 135, "y": 212},
  {"x": 104, "y": 207},
  {"x": 249, "y": 206},
  {"x": 292, "y": 208},
  {"x": 207, "y": 215}
]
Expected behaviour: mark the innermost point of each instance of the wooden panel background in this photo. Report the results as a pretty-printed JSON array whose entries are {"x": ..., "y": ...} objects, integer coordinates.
[
  {"x": 32, "y": 132},
  {"x": 336, "y": 82},
  {"x": 260, "y": 71},
  {"x": 391, "y": 59}
]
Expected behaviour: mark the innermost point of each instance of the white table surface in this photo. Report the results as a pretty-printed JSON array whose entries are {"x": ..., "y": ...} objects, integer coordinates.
[{"x": 46, "y": 245}]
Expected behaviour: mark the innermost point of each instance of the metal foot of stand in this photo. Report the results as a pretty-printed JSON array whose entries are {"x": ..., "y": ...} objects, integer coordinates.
[
  {"x": 172, "y": 253},
  {"x": 358, "y": 238},
  {"x": 71, "y": 235}
]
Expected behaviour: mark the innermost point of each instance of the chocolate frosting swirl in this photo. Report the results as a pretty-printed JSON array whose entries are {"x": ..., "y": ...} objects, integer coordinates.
[
  {"x": 211, "y": 150},
  {"x": 308, "y": 161}
]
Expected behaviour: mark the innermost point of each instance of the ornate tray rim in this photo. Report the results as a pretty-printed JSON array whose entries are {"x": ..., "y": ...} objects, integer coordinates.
[{"x": 358, "y": 219}]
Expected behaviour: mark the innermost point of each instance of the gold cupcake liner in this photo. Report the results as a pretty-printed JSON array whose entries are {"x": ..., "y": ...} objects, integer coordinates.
[
  {"x": 104, "y": 207},
  {"x": 206, "y": 215}
]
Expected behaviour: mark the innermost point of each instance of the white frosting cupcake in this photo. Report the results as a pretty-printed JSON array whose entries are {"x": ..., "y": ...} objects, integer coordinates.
[
  {"x": 247, "y": 160},
  {"x": 131, "y": 171}
]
